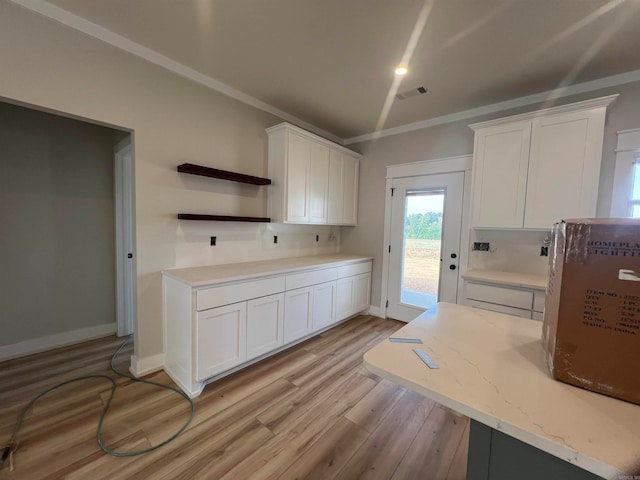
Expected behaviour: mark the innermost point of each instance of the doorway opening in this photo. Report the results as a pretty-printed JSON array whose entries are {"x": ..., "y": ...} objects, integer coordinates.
[{"x": 58, "y": 202}]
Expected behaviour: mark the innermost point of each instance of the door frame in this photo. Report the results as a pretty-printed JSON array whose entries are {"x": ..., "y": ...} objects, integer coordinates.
[
  {"x": 460, "y": 163},
  {"x": 125, "y": 237}
]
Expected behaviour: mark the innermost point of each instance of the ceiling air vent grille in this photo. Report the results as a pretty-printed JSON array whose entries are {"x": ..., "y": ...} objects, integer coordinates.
[{"x": 411, "y": 93}]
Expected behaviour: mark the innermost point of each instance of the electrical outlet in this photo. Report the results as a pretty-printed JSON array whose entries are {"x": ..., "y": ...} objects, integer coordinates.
[
  {"x": 213, "y": 241},
  {"x": 544, "y": 251},
  {"x": 481, "y": 246}
]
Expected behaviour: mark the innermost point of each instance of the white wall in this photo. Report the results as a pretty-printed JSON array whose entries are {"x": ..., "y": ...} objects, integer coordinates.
[
  {"x": 510, "y": 250},
  {"x": 174, "y": 121},
  {"x": 57, "y": 217}
]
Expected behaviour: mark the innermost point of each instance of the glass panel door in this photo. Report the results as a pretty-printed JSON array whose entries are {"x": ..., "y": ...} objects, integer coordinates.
[{"x": 426, "y": 217}]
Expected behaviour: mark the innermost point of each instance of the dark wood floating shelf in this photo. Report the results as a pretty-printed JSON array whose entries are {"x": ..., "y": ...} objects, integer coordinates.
[
  {"x": 223, "y": 174},
  {"x": 221, "y": 218}
]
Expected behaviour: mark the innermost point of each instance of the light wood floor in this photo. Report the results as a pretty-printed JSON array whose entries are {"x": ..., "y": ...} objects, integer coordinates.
[{"x": 312, "y": 412}]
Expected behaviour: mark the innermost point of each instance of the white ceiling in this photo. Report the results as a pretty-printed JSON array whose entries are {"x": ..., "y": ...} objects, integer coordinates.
[{"x": 330, "y": 62}]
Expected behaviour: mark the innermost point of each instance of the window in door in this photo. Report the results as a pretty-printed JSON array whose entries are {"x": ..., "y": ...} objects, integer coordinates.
[
  {"x": 423, "y": 239},
  {"x": 634, "y": 203}
]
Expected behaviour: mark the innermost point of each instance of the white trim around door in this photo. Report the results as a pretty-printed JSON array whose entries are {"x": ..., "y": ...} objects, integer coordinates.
[{"x": 461, "y": 163}]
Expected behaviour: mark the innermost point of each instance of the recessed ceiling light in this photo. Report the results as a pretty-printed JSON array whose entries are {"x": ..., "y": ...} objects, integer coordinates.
[{"x": 401, "y": 70}]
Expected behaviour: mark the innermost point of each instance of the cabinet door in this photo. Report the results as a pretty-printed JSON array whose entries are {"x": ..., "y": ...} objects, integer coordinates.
[
  {"x": 220, "y": 339},
  {"x": 343, "y": 189},
  {"x": 564, "y": 167},
  {"x": 501, "y": 155},
  {"x": 350, "y": 197},
  {"x": 298, "y": 314},
  {"x": 336, "y": 188},
  {"x": 324, "y": 305},
  {"x": 345, "y": 297},
  {"x": 265, "y": 324},
  {"x": 318, "y": 184},
  {"x": 362, "y": 292},
  {"x": 298, "y": 161}
]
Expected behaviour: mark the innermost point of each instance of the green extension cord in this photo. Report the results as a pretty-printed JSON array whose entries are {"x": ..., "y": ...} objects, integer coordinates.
[{"x": 8, "y": 450}]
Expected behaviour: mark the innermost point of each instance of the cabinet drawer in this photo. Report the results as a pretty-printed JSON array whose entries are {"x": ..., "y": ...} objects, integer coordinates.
[
  {"x": 518, "y": 312},
  {"x": 538, "y": 301},
  {"x": 501, "y": 295},
  {"x": 305, "y": 279},
  {"x": 354, "y": 269},
  {"x": 238, "y": 292}
]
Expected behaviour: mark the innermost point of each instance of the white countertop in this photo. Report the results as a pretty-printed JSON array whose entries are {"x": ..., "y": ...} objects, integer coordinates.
[
  {"x": 515, "y": 279},
  {"x": 198, "y": 276},
  {"x": 492, "y": 369}
]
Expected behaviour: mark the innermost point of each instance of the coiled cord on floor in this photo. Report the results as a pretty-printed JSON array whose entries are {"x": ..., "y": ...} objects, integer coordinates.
[{"x": 12, "y": 444}]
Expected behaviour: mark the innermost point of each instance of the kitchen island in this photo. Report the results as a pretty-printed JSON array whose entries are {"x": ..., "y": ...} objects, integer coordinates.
[{"x": 524, "y": 424}]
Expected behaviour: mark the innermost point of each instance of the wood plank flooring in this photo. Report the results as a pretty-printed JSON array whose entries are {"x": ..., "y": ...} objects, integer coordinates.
[{"x": 311, "y": 412}]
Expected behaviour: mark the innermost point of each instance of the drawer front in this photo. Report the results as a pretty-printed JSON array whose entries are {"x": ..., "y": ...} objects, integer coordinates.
[
  {"x": 354, "y": 269},
  {"x": 538, "y": 301},
  {"x": 500, "y": 295},
  {"x": 314, "y": 277},
  {"x": 518, "y": 312},
  {"x": 238, "y": 292}
]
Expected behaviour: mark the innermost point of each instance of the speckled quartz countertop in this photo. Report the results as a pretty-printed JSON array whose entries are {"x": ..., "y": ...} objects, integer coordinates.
[
  {"x": 515, "y": 279},
  {"x": 492, "y": 369},
  {"x": 198, "y": 276}
]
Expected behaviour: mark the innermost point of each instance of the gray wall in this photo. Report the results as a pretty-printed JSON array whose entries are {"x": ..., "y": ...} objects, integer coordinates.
[
  {"x": 457, "y": 139},
  {"x": 57, "y": 217}
]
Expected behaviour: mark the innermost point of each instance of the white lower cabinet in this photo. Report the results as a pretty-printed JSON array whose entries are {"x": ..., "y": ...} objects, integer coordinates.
[
  {"x": 362, "y": 292},
  {"x": 298, "y": 314},
  {"x": 521, "y": 302},
  {"x": 220, "y": 339},
  {"x": 265, "y": 325},
  {"x": 353, "y": 295},
  {"x": 213, "y": 329},
  {"x": 345, "y": 296},
  {"x": 324, "y": 305}
]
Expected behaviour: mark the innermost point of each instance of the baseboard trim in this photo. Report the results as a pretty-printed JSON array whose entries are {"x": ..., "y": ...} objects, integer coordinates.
[
  {"x": 146, "y": 365},
  {"x": 36, "y": 345},
  {"x": 377, "y": 312}
]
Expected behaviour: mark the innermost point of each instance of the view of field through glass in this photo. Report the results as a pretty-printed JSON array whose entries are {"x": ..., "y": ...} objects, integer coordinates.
[{"x": 422, "y": 241}]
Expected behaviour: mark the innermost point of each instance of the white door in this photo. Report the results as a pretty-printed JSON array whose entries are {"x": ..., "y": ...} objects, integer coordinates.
[
  {"x": 265, "y": 324},
  {"x": 297, "y": 173},
  {"x": 124, "y": 224},
  {"x": 324, "y": 305},
  {"x": 318, "y": 184},
  {"x": 220, "y": 339},
  {"x": 424, "y": 250},
  {"x": 298, "y": 313}
]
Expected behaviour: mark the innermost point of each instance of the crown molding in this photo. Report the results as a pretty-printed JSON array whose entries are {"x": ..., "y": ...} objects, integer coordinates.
[
  {"x": 601, "y": 102},
  {"x": 83, "y": 25},
  {"x": 578, "y": 88},
  {"x": 287, "y": 127}
]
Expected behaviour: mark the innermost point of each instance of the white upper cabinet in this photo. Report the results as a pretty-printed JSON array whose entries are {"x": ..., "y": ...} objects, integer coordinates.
[
  {"x": 313, "y": 180},
  {"x": 533, "y": 170},
  {"x": 501, "y": 158},
  {"x": 343, "y": 188}
]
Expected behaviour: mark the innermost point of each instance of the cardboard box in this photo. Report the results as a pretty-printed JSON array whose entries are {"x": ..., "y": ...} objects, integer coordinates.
[{"x": 591, "y": 328}]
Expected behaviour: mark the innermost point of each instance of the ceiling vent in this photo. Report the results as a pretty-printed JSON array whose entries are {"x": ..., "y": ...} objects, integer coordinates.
[{"x": 411, "y": 93}]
